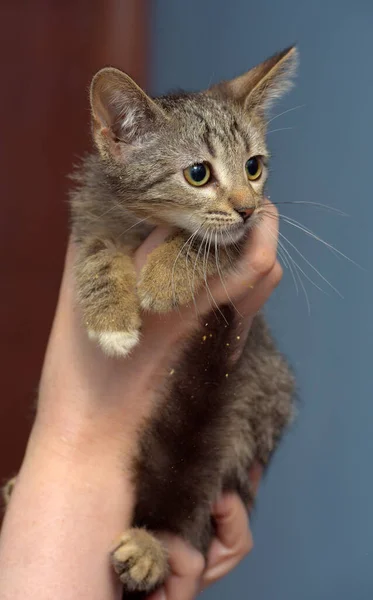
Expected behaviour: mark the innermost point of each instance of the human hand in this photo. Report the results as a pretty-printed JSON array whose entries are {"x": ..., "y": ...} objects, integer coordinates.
[
  {"x": 233, "y": 541},
  {"x": 74, "y": 493}
]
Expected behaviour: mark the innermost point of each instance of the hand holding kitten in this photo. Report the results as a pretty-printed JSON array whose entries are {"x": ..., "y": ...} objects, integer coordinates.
[{"x": 73, "y": 494}]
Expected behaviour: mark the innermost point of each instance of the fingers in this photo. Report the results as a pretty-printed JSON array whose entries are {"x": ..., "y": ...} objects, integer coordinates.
[
  {"x": 186, "y": 565},
  {"x": 233, "y": 539},
  {"x": 260, "y": 254},
  {"x": 257, "y": 295},
  {"x": 232, "y": 542},
  {"x": 154, "y": 239}
]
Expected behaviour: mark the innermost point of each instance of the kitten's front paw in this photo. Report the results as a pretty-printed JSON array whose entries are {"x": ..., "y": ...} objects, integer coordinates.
[
  {"x": 159, "y": 290},
  {"x": 171, "y": 276},
  {"x": 158, "y": 302},
  {"x": 140, "y": 561},
  {"x": 115, "y": 343}
]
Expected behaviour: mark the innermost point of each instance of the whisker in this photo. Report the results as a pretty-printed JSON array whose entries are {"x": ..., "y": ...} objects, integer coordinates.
[
  {"x": 288, "y": 263},
  {"x": 191, "y": 285},
  {"x": 205, "y": 277},
  {"x": 132, "y": 226},
  {"x": 194, "y": 272},
  {"x": 298, "y": 268},
  {"x": 234, "y": 244},
  {"x": 332, "y": 248},
  {"x": 221, "y": 278},
  {"x": 309, "y": 232},
  {"x": 286, "y": 260},
  {"x": 186, "y": 265},
  {"x": 204, "y": 270},
  {"x": 312, "y": 267},
  {"x": 227, "y": 249},
  {"x": 285, "y": 112},
  {"x": 316, "y": 204},
  {"x": 174, "y": 265},
  {"x": 116, "y": 205},
  {"x": 279, "y": 129}
]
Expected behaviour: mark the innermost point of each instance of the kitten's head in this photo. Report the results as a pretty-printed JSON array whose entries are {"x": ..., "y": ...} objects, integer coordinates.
[{"x": 196, "y": 161}]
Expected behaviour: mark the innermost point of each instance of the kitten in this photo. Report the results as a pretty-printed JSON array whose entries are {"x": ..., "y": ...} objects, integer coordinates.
[{"x": 196, "y": 162}]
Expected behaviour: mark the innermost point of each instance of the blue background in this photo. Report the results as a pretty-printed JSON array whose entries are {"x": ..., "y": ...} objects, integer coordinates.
[{"x": 313, "y": 527}]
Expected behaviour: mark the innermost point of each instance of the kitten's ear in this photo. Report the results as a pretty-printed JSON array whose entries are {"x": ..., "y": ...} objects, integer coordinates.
[
  {"x": 262, "y": 85},
  {"x": 121, "y": 112}
]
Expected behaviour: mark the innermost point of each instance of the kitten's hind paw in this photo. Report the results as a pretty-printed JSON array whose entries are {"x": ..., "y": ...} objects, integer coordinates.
[
  {"x": 116, "y": 343},
  {"x": 140, "y": 561}
]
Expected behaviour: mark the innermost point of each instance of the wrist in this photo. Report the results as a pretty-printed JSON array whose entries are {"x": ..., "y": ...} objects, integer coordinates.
[
  {"x": 69, "y": 504},
  {"x": 89, "y": 444}
]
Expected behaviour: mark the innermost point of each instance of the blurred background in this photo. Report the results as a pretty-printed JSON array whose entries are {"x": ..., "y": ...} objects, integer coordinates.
[{"x": 312, "y": 527}]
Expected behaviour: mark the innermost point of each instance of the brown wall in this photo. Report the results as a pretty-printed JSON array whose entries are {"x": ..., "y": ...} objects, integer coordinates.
[{"x": 49, "y": 51}]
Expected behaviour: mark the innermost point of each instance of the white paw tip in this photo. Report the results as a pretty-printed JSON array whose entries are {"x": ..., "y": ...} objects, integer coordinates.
[{"x": 115, "y": 343}]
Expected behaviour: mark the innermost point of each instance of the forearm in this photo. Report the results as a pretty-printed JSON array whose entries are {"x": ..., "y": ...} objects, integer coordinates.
[{"x": 70, "y": 502}]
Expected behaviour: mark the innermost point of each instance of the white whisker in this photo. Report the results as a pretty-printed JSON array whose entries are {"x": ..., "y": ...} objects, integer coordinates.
[
  {"x": 285, "y": 112},
  {"x": 279, "y": 129},
  {"x": 221, "y": 278},
  {"x": 208, "y": 245},
  {"x": 315, "y": 204},
  {"x": 286, "y": 257},
  {"x": 132, "y": 226},
  {"x": 174, "y": 265},
  {"x": 312, "y": 267},
  {"x": 332, "y": 248}
]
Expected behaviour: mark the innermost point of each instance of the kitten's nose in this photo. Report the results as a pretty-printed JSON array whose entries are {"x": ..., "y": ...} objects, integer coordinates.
[{"x": 245, "y": 213}]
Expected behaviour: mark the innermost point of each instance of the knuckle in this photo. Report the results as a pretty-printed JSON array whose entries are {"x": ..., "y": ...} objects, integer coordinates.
[
  {"x": 277, "y": 273},
  {"x": 247, "y": 546},
  {"x": 196, "y": 565},
  {"x": 264, "y": 262}
]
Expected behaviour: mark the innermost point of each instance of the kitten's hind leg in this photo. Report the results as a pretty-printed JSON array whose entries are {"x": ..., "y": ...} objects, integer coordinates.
[
  {"x": 106, "y": 287},
  {"x": 140, "y": 560}
]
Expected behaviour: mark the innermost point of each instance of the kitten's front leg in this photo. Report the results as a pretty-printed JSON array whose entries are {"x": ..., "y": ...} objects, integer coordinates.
[
  {"x": 173, "y": 274},
  {"x": 106, "y": 289}
]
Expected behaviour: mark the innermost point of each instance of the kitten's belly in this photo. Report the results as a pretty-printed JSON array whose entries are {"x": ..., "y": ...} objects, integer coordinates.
[
  {"x": 210, "y": 429},
  {"x": 179, "y": 470}
]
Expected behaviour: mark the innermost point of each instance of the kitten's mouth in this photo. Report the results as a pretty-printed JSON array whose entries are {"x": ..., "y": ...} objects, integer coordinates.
[{"x": 231, "y": 234}]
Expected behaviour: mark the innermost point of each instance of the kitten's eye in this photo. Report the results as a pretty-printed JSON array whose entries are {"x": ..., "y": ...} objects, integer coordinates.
[
  {"x": 254, "y": 168},
  {"x": 198, "y": 174}
]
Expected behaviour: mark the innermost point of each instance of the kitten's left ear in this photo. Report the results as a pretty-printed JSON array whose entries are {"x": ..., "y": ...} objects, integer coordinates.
[{"x": 262, "y": 85}]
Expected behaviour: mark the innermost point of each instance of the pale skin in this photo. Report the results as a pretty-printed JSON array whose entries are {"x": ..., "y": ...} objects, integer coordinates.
[{"x": 73, "y": 494}]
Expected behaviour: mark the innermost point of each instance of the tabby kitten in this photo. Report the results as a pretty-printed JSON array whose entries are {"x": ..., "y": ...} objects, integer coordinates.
[{"x": 196, "y": 162}]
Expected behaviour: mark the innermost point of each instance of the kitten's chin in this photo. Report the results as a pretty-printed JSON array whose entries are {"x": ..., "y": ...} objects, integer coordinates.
[
  {"x": 237, "y": 233},
  {"x": 232, "y": 236},
  {"x": 228, "y": 237}
]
